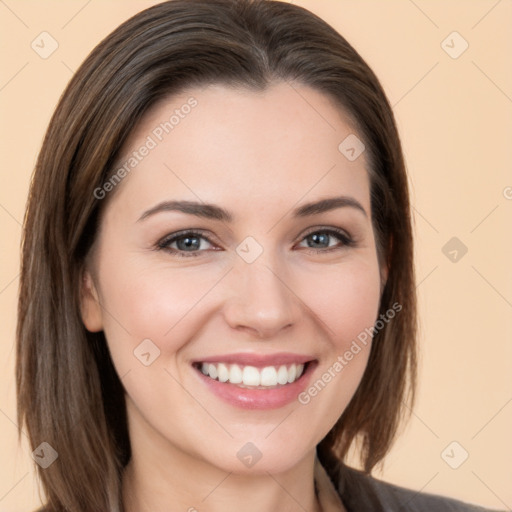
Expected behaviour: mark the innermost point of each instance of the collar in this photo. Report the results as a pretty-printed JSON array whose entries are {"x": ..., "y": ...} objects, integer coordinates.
[{"x": 328, "y": 497}]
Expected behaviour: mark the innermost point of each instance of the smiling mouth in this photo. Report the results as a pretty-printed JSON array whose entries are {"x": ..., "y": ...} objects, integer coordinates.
[{"x": 246, "y": 376}]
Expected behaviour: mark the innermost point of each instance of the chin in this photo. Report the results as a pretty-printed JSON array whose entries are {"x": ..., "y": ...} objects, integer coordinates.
[{"x": 259, "y": 457}]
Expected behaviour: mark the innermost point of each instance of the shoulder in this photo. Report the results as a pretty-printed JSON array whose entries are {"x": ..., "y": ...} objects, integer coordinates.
[
  {"x": 394, "y": 497},
  {"x": 362, "y": 492}
]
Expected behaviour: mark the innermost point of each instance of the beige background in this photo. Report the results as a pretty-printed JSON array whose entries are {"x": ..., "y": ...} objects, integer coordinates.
[{"x": 455, "y": 117}]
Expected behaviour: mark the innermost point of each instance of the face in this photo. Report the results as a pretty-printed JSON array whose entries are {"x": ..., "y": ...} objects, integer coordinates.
[{"x": 229, "y": 302}]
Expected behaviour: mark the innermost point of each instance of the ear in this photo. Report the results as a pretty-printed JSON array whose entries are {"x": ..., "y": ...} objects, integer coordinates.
[{"x": 90, "y": 308}]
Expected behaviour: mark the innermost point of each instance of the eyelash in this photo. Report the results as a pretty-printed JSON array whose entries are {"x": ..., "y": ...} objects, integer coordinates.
[{"x": 163, "y": 244}]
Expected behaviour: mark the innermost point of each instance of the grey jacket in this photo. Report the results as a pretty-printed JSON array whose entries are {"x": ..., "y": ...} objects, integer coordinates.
[{"x": 362, "y": 493}]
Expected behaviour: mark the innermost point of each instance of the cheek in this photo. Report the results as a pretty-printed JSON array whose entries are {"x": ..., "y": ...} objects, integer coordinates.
[
  {"x": 142, "y": 302},
  {"x": 346, "y": 303},
  {"x": 346, "y": 300}
]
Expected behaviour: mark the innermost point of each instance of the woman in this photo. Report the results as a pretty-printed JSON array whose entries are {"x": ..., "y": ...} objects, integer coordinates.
[{"x": 217, "y": 292}]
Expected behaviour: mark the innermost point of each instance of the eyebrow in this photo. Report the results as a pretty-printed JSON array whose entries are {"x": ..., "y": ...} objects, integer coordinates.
[{"x": 211, "y": 211}]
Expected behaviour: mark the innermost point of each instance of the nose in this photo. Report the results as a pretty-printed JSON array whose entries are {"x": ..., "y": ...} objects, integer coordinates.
[{"x": 261, "y": 301}]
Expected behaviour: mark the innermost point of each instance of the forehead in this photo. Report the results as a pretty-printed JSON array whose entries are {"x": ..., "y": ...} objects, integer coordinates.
[{"x": 236, "y": 146}]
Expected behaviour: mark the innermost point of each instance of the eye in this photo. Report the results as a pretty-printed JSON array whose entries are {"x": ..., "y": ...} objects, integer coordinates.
[
  {"x": 190, "y": 243},
  {"x": 320, "y": 240},
  {"x": 186, "y": 243}
]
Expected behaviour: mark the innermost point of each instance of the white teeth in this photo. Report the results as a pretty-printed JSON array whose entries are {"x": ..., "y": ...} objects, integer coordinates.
[
  {"x": 235, "y": 374},
  {"x": 269, "y": 376},
  {"x": 282, "y": 375},
  {"x": 250, "y": 376},
  {"x": 223, "y": 372},
  {"x": 212, "y": 371},
  {"x": 292, "y": 373}
]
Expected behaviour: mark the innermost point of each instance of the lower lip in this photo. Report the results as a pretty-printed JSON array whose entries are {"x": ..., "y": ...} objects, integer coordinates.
[{"x": 246, "y": 398}]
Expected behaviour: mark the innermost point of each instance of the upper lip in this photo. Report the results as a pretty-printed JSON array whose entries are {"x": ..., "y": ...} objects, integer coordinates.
[{"x": 258, "y": 360}]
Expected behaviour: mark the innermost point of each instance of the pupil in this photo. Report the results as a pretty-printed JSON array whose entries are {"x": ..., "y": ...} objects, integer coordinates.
[
  {"x": 319, "y": 239},
  {"x": 188, "y": 242}
]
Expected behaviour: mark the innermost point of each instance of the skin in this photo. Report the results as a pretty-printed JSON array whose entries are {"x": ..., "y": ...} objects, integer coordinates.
[{"x": 258, "y": 155}]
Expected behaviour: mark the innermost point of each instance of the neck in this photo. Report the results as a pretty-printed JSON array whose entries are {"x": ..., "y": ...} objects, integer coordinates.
[
  {"x": 160, "y": 477},
  {"x": 194, "y": 487}
]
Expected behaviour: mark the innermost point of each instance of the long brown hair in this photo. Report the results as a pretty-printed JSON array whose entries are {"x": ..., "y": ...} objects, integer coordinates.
[{"x": 69, "y": 394}]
